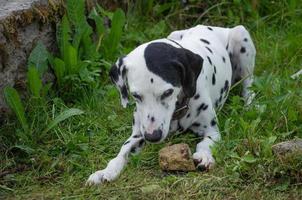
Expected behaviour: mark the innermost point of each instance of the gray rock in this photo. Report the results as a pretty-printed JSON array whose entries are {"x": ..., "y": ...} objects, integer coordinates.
[
  {"x": 288, "y": 147},
  {"x": 176, "y": 157},
  {"x": 22, "y": 24}
]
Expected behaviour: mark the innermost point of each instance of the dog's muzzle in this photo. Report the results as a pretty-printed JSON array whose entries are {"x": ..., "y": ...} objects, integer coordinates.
[{"x": 154, "y": 137}]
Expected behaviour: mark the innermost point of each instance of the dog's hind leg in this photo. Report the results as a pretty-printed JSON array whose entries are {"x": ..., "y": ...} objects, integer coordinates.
[
  {"x": 132, "y": 145},
  {"x": 242, "y": 54}
]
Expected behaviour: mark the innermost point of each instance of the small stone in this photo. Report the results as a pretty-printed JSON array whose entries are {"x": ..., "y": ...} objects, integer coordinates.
[
  {"x": 288, "y": 147},
  {"x": 177, "y": 157}
]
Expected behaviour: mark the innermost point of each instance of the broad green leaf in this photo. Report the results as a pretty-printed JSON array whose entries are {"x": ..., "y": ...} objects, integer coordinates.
[
  {"x": 34, "y": 81},
  {"x": 89, "y": 46},
  {"x": 64, "y": 38},
  {"x": 59, "y": 69},
  {"x": 100, "y": 28},
  {"x": 24, "y": 148},
  {"x": 76, "y": 15},
  {"x": 61, "y": 117},
  {"x": 76, "y": 11},
  {"x": 79, "y": 33},
  {"x": 112, "y": 41},
  {"x": 38, "y": 58},
  {"x": 72, "y": 59},
  {"x": 14, "y": 102}
]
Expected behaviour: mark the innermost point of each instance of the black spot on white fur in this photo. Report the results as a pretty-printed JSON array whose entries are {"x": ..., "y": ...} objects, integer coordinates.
[
  {"x": 202, "y": 106},
  {"x": 196, "y": 124},
  {"x": 124, "y": 91},
  {"x": 124, "y": 72},
  {"x": 151, "y": 80},
  {"x": 220, "y": 99},
  {"x": 223, "y": 59},
  {"x": 205, "y": 41},
  {"x": 209, "y": 50},
  {"x": 120, "y": 61},
  {"x": 141, "y": 143},
  {"x": 114, "y": 73},
  {"x": 213, "y": 122},
  {"x": 209, "y": 59},
  {"x": 226, "y": 85},
  {"x": 133, "y": 150},
  {"x": 242, "y": 50},
  {"x": 213, "y": 79},
  {"x": 210, "y": 28},
  {"x": 221, "y": 91},
  {"x": 196, "y": 96}
]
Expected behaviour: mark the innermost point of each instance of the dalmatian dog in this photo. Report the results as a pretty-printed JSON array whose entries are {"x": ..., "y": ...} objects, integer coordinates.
[{"x": 179, "y": 83}]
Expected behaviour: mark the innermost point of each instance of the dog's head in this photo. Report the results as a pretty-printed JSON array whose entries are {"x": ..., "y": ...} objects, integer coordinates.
[{"x": 158, "y": 73}]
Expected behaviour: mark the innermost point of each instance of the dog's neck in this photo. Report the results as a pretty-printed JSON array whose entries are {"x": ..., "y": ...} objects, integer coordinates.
[{"x": 182, "y": 106}]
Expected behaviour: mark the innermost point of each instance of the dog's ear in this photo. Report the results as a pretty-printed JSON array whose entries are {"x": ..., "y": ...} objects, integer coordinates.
[
  {"x": 190, "y": 66},
  {"x": 118, "y": 74}
]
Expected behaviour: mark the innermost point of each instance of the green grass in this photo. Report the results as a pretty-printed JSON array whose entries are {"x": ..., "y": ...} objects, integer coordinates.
[{"x": 245, "y": 168}]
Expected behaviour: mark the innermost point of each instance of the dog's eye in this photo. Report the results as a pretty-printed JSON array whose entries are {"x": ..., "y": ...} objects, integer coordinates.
[
  {"x": 137, "y": 96},
  {"x": 166, "y": 94}
]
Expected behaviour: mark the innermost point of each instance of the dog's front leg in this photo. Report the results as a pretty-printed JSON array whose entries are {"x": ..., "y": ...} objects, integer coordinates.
[
  {"x": 203, "y": 157},
  {"x": 132, "y": 145},
  {"x": 209, "y": 132}
]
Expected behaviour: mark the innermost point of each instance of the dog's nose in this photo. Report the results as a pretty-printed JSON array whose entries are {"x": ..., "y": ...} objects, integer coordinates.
[{"x": 155, "y": 136}]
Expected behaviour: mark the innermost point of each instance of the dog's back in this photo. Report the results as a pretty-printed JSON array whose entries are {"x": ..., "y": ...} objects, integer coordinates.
[{"x": 236, "y": 41}]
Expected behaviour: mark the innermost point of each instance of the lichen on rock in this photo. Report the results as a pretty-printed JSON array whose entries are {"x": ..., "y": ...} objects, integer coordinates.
[{"x": 176, "y": 157}]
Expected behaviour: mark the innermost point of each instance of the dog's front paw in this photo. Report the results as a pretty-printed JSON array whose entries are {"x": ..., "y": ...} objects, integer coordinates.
[
  {"x": 110, "y": 173},
  {"x": 203, "y": 160},
  {"x": 100, "y": 177}
]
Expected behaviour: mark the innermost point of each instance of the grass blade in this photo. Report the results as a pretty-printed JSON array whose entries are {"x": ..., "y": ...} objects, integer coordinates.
[{"x": 61, "y": 117}]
